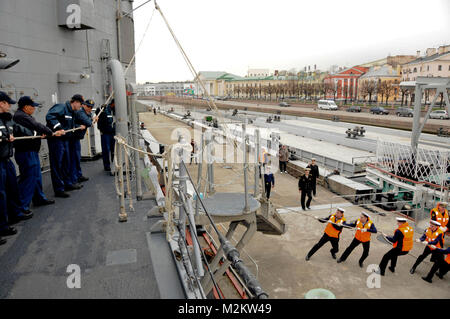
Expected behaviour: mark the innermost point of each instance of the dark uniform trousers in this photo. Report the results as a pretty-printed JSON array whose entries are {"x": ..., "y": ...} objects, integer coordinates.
[
  {"x": 325, "y": 238},
  {"x": 355, "y": 243},
  {"x": 75, "y": 160},
  {"x": 30, "y": 180},
  {"x": 10, "y": 207},
  {"x": 108, "y": 143},
  {"x": 426, "y": 252},
  {"x": 441, "y": 265},
  {"x": 391, "y": 255},
  {"x": 60, "y": 163},
  {"x": 306, "y": 193},
  {"x": 268, "y": 187}
]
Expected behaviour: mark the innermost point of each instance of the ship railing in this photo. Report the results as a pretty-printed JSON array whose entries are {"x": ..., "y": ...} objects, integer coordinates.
[{"x": 231, "y": 253}]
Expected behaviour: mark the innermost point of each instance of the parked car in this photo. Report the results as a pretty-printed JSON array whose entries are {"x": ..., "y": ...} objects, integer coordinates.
[
  {"x": 439, "y": 114},
  {"x": 379, "y": 110},
  {"x": 285, "y": 104},
  {"x": 404, "y": 111},
  {"x": 354, "y": 108},
  {"x": 326, "y": 105}
]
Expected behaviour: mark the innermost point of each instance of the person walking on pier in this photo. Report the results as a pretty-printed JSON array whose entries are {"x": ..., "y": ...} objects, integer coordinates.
[
  {"x": 305, "y": 186},
  {"x": 27, "y": 153},
  {"x": 269, "y": 181},
  {"x": 402, "y": 244},
  {"x": 107, "y": 129},
  {"x": 283, "y": 155},
  {"x": 331, "y": 234},
  {"x": 433, "y": 235},
  {"x": 442, "y": 264},
  {"x": 194, "y": 150},
  {"x": 314, "y": 174},
  {"x": 364, "y": 228}
]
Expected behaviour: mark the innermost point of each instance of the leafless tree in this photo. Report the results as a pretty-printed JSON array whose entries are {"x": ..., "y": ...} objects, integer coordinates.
[
  {"x": 237, "y": 90},
  {"x": 330, "y": 88},
  {"x": 389, "y": 90},
  {"x": 368, "y": 88},
  {"x": 405, "y": 93}
]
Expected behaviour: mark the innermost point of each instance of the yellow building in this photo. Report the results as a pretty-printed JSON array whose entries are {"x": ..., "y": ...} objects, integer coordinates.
[{"x": 380, "y": 84}]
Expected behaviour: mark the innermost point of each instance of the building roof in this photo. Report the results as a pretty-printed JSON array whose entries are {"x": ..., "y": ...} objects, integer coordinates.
[
  {"x": 211, "y": 75},
  {"x": 384, "y": 71},
  {"x": 428, "y": 58},
  {"x": 354, "y": 70}
]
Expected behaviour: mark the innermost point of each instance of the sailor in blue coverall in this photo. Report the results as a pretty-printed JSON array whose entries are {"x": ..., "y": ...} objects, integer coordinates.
[
  {"x": 61, "y": 117},
  {"x": 11, "y": 210},
  {"x": 107, "y": 129},
  {"x": 82, "y": 117},
  {"x": 27, "y": 153}
]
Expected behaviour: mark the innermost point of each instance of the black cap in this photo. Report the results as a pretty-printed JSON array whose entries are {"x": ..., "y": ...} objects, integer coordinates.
[
  {"x": 5, "y": 97},
  {"x": 26, "y": 100},
  {"x": 89, "y": 103},
  {"x": 78, "y": 98}
]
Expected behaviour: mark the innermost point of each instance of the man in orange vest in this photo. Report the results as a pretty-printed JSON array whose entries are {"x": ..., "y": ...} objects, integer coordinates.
[
  {"x": 334, "y": 227},
  {"x": 440, "y": 214},
  {"x": 402, "y": 243},
  {"x": 364, "y": 227},
  {"x": 443, "y": 264},
  {"x": 433, "y": 235}
]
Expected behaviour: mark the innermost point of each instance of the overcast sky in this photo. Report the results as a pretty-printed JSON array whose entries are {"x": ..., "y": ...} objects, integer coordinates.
[{"x": 234, "y": 35}]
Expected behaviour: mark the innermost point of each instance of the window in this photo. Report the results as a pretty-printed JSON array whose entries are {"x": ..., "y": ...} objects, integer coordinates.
[
  {"x": 439, "y": 67},
  {"x": 428, "y": 68},
  {"x": 415, "y": 70}
]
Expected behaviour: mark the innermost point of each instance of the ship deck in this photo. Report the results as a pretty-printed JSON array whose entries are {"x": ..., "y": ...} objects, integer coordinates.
[{"x": 117, "y": 260}]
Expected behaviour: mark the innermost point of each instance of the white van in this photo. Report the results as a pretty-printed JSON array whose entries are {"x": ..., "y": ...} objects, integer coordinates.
[{"x": 327, "y": 105}]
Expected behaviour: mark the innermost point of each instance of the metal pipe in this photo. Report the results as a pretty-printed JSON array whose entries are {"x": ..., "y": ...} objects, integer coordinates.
[
  {"x": 197, "y": 254},
  {"x": 199, "y": 174},
  {"x": 134, "y": 127},
  {"x": 257, "y": 167},
  {"x": 118, "y": 18},
  {"x": 122, "y": 212},
  {"x": 245, "y": 173},
  {"x": 182, "y": 188},
  {"x": 120, "y": 97}
]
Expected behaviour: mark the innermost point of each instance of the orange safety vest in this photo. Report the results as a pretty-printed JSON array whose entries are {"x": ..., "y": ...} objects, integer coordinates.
[
  {"x": 448, "y": 259},
  {"x": 363, "y": 237},
  {"x": 330, "y": 230},
  {"x": 263, "y": 157},
  {"x": 430, "y": 236},
  {"x": 408, "y": 234},
  {"x": 442, "y": 218}
]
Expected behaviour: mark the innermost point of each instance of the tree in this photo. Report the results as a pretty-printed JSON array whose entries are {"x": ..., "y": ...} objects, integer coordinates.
[
  {"x": 405, "y": 92},
  {"x": 322, "y": 89},
  {"x": 237, "y": 90},
  {"x": 368, "y": 87},
  {"x": 388, "y": 90},
  {"x": 330, "y": 88}
]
